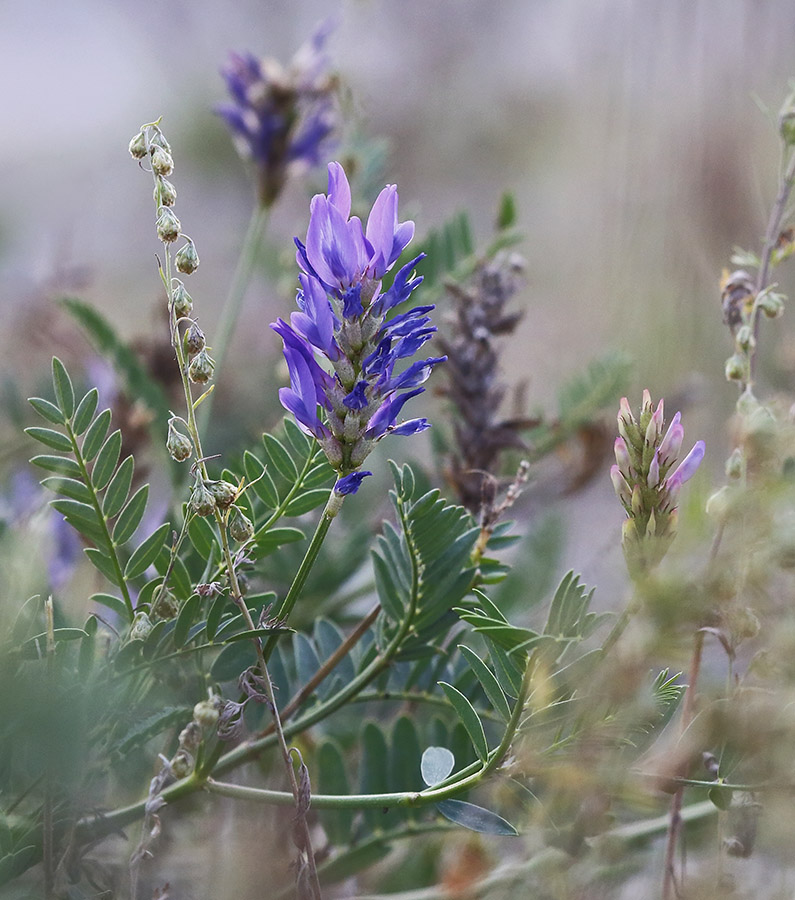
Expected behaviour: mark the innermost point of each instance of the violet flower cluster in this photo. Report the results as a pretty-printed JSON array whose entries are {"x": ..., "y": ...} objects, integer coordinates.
[
  {"x": 281, "y": 117},
  {"x": 343, "y": 321},
  {"x": 648, "y": 480}
]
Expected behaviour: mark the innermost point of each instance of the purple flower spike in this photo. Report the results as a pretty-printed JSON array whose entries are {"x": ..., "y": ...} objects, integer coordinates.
[
  {"x": 280, "y": 117},
  {"x": 645, "y": 483},
  {"x": 340, "y": 349},
  {"x": 350, "y": 483}
]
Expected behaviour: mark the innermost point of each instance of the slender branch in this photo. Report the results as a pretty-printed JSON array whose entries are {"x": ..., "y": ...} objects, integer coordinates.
[
  {"x": 337, "y": 656},
  {"x": 301, "y": 575}
]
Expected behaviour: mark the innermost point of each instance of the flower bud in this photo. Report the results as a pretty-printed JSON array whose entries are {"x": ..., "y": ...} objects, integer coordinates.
[
  {"x": 745, "y": 338},
  {"x": 736, "y": 368},
  {"x": 200, "y": 370},
  {"x": 206, "y": 714},
  {"x": 179, "y": 445},
  {"x": 194, "y": 340},
  {"x": 181, "y": 764},
  {"x": 187, "y": 259},
  {"x": 240, "y": 527},
  {"x": 772, "y": 305},
  {"x": 735, "y": 465},
  {"x": 242, "y": 583},
  {"x": 182, "y": 300},
  {"x": 719, "y": 504},
  {"x": 202, "y": 501},
  {"x": 168, "y": 225},
  {"x": 137, "y": 146},
  {"x": 162, "y": 162},
  {"x": 158, "y": 139},
  {"x": 141, "y": 627},
  {"x": 622, "y": 456},
  {"x": 166, "y": 606},
  {"x": 165, "y": 192},
  {"x": 223, "y": 492}
]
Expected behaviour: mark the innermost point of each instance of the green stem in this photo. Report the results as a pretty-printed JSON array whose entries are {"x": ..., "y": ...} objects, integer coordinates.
[
  {"x": 451, "y": 786},
  {"x": 283, "y": 612},
  {"x": 249, "y": 251}
]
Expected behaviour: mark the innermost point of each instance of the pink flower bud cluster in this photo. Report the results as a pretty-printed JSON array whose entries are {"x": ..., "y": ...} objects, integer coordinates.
[{"x": 648, "y": 478}]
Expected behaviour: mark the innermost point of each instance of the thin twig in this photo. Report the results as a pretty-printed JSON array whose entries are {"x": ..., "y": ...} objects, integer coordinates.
[{"x": 340, "y": 653}]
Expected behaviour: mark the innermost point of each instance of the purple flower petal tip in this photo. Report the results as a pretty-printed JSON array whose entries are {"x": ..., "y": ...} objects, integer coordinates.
[{"x": 350, "y": 483}]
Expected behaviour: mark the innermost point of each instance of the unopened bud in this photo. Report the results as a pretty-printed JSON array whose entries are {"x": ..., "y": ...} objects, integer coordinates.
[
  {"x": 772, "y": 305},
  {"x": 141, "y": 627},
  {"x": 187, "y": 259},
  {"x": 206, "y": 714},
  {"x": 166, "y": 606},
  {"x": 735, "y": 465},
  {"x": 200, "y": 370},
  {"x": 719, "y": 504},
  {"x": 168, "y": 225},
  {"x": 736, "y": 368},
  {"x": 242, "y": 583},
  {"x": 137, "y": 146},
  {"x": 183, "y": 302},
  {"x": 162, "y": 162},
  {"x": 202, "y": 501},
  {"x": 223, "y": 492},
  {"x": 158, "y": 139},
  {"x": 178, "y": 445},
  {"x": 240, "y": 527},
  {"x": 194, "y": 340},
  {"x": 745, "y": 338},
  {"x": 182, "y": 764},
  {"x": 165, "y": 192}
]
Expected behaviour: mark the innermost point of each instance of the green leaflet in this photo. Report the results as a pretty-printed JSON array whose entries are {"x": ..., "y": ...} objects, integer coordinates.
[
  {"x": 475, "y": 818},
  {"x": 469, "y": 718}
]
